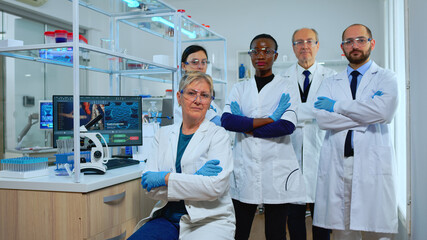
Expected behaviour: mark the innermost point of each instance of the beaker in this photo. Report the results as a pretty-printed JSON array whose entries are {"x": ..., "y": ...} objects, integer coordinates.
[
  {"x": 61, "y": 36},
  {"x": 153, "y": 112}
]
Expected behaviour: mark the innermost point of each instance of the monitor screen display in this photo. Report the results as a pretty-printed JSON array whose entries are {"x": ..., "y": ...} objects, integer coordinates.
[
  {"x": 45, "y": 114},
  {"x": 121, "y": 124}
]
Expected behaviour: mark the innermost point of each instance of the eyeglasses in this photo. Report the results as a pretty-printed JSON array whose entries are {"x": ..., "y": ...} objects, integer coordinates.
[
  {"x": 256, "y": 51},
  {"x": 192, "y": 94},
  {"x": 300, "y": 43},
  {"x": 196, "y": 62},
  {"x": 361, "y": 42}
]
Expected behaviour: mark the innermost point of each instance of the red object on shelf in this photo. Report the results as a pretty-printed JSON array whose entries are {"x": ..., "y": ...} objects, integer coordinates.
[
  {"x": 81, "y": 38},
  {"x": 49, "y": 33},
  {"x": 49, "y": 37},
  {"x": 61, "y": 36},
  {"x": 70, "y": 38},
  {"x": 181, "y": 10},
  {"x": 189, "y": 16}
]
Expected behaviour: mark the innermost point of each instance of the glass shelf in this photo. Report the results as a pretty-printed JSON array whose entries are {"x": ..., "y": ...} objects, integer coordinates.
[
  {"x": 162, "y": 25},
  {"x": 118, "y": 8},
  {"x": 91, "y": 58}
]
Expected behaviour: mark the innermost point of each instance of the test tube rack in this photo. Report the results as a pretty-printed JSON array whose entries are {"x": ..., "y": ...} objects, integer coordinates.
[
  {"x": 64, "y": 158},
  {"x": 24, "y": 167}
]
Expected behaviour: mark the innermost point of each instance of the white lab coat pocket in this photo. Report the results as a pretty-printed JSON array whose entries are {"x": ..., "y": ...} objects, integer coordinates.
[
  {"x": 293, "y": 180},
  {"x": 326, "y": 160},
  {"x": 380, "y": 160}
]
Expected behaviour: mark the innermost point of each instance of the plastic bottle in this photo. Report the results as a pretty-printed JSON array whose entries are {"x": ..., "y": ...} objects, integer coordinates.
[
  {"x": 168, "y": 93},
  {"x": 60, "y": 36},
  {"x": 49, "y": 37},
  {"x": 153, "y": 112},
  {"x": 242, "y": 71}
]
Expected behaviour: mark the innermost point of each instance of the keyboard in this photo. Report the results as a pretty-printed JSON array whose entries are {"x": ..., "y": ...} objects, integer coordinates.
[{"x": 120, "y": 162}]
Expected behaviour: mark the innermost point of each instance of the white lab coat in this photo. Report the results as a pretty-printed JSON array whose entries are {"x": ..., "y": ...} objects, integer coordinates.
[
  {"x": 307, "y": 138},
  {"x": 207, "y": 200},
  {"x": 373, "y": 196},
  {"x": 266, "y": 170}
]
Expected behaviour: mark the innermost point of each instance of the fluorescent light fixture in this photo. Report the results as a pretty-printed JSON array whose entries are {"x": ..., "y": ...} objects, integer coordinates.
[
  {"x": 132, "y": 3},
  {"x": 191, "y": 35}
]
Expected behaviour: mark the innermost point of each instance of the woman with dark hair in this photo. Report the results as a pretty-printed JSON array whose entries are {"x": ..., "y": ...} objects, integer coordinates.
[
  {"x": 195, "y": 58},
  {"x": 261, "y": 111}
]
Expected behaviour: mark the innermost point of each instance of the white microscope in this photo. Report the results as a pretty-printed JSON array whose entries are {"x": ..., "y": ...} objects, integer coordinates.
[{"x": 97, "y": 156}]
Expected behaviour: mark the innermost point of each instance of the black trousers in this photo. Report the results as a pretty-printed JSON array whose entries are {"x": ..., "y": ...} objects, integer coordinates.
[
  {"x": 275, "y": 220},
  {"x": 296, "y": 223}
]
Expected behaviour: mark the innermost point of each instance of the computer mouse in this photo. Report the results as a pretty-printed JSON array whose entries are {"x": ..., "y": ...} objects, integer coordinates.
[{"x": 92, "y": 171}]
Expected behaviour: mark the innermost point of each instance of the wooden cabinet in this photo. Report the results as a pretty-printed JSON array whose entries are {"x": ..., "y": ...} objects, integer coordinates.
[{"x": 106, "y": 213}]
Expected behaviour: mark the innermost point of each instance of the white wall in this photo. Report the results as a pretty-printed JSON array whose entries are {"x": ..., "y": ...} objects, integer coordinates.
[
  {"x": 418, "y": 85},
  {"x": 240, "y": 21}
]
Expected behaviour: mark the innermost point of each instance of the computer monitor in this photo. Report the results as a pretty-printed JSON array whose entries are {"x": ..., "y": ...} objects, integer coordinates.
[
  {"x": 45, "y": 114},
  {"x": 121, "y": 124}
]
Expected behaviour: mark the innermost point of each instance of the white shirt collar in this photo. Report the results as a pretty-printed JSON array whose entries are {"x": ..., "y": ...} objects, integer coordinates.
[{"x": 301, "y": 76}]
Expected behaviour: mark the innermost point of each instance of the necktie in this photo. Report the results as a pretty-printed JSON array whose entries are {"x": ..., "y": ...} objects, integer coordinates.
[
  {"x": 353, "y": 84},
  {"x": 348, "y": 150},
  {"x": 306, "y": 80}
]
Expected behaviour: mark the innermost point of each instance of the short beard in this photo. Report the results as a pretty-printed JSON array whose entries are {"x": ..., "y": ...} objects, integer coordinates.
[{"x": 363, "y": 57}]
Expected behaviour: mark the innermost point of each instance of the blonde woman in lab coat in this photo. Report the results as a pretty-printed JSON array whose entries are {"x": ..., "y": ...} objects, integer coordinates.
[
  {"x": 262, "y": 112},
  {"x": 189, "y": 172}
]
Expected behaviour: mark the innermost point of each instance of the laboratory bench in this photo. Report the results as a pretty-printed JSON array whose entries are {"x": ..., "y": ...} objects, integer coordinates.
[{"x": 55, "y": 207}]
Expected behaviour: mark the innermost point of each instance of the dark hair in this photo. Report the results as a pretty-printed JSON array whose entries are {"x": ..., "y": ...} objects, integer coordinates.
[
  {"x": 192, "y": 49},
  {"x": 358, "y": 24},
  {"x": 264, "y": 35}
]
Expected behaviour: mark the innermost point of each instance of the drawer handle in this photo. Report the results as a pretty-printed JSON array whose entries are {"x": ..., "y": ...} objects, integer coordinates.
[
  {"x": 116, "y": 197},
  {"x": 119, "y": 237}
]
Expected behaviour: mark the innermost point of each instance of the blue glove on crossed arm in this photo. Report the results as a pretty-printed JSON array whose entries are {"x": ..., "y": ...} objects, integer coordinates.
[
  {"x": 152, "y": 180},
  {"x": 235, "y": 109},
  {"x": 325, "y": 104},
  {"x": 284, "y": 104},
  {"x": 216, "y": 120},
  {"x": 210, "y": 168},
  {"x": 377, "y": 93}
]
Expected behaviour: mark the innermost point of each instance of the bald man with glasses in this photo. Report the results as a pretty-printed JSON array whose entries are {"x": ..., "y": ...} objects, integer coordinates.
[{"x": 307, "y": 137}]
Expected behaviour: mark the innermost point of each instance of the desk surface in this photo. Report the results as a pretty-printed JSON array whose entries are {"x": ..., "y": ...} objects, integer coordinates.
[{"x": 65, "y": 183}]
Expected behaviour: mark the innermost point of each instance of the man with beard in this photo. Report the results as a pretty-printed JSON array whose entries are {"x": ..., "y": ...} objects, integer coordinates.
[
  {"x": 355, "y": 193},
  {"x": 307, "y": 138}
]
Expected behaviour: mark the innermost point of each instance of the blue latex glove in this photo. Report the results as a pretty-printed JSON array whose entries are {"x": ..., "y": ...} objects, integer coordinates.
[
  {"x": 216, "y": 120},
  {"x": 213, "y": 108},
  {"x": 152, "y": 180},
  {"x": 284, "y": 104},
  {"x": 377, "y": 93},
  {"x": 235, "y": 109},
  {"x": 210, "y": 168},
  {"x": 325, "y": 103}
]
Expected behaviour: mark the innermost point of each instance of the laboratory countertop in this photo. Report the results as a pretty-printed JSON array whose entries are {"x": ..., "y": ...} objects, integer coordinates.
[{"x": 87, "y": 184}]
